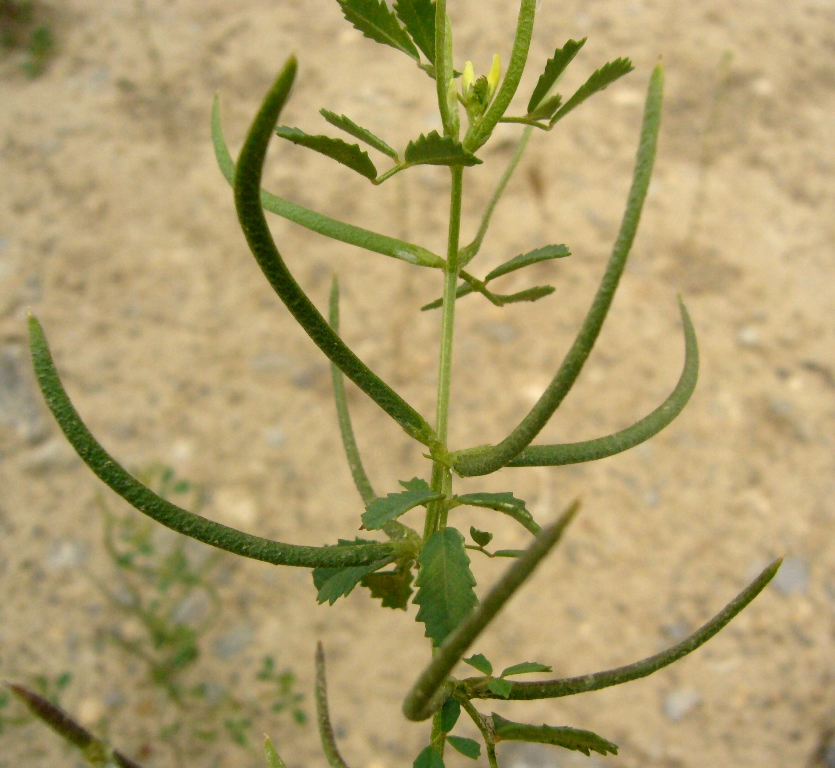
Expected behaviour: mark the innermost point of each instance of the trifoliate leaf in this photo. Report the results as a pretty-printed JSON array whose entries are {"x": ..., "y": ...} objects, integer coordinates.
[
  {"x": 429, "y": 757},
  {"x": 392, "y": 587},
  {"x": 570, "y": 738},
  {"x": 506, "y": 503},
  {"x": 482, "y": 538},
  {"x": 349, "y": 155},
  {"x": 554, "y": 67},
  {"x": 601, "y": 78},
  {"x": 418, "y": 16},
  {"x": 381, "y": 511},
  {"x": 449, "y": 714},
  {"x": 445, "y": 584},
  {"x": 358, "y": 132},
  {"x": 500, "y": 687},
  {"x": 526, "y": 667},
  {"x": 467, "y": 747},
  {"x": 479, "y": 662},
  {"x": 377, "y": 22},
  {"x": 435, "y": 149},
  {"x": 273, "y": 758},
  {"x": 545, "y": 253}
]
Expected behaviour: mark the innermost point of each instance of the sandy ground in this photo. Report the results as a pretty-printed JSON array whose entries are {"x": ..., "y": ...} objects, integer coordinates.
[{"x": 117, "y": 229}]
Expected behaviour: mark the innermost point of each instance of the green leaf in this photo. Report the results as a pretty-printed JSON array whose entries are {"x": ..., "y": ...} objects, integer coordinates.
[
  {"x": 333, "y": 583},
  {"x": 554, "y": 67},
  {"x": 509, "y": 553},
  {"x": 529, "y": 294},
  {"x": 450, "y": 712},
  {"x": 358, "y": 132},
  {"x": 381, "y": 511},
  {"x": 570, "y": 738},
  {"x": 445, "y": 584},
  {"x": 467, "y": 747},
  {"x": 429, "y": 757},
  {"x": 273, "y": 758},
  {"x": 415, "y": 484},
  {"x": 435, "y": 149},
  {"x": 482, "y": 538},
  {"x": 546, "y": 253},
  {"x": 504, "y": 502},
  {"x": 545, "y": 111},
  {"x": 480, "y": 662},
  {"x": 500, "y": 687},
  {"x": 377, "y": 22},
  {"x": 418, "y": 16},
  {"x": 526, "y": 667},
  {"x": 349, "y": 155},
  {"x": 601, "y": 78},
  {"x": 392, "y": 587}
]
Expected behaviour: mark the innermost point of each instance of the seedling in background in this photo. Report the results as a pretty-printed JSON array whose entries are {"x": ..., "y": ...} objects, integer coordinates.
[{"x": 430, "y": 567}]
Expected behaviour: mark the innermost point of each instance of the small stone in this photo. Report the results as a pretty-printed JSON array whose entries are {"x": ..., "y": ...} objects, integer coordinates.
[
  {"x": 747, "y": 336},
  {"x": 234, "y": 641},
  {"x": 55, "y": 454},
  {"x": 680, "y": 703},
  {"x": 793, "y": 576},
  {"x": 64, "y": 554},
  {"x": 90, "y": 711},
  {"x": 274, "y": 436}
]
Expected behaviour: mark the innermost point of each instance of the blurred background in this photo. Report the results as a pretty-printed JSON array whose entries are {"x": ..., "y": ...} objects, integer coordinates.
[{"x": 118, "y": 230}]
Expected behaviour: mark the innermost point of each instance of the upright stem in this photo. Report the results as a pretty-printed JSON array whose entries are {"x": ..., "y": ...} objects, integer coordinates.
[{"x": 441, "y": 475}]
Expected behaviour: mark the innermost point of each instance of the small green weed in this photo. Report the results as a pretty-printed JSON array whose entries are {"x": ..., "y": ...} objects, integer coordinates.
[{"x": 22, "y": 29}]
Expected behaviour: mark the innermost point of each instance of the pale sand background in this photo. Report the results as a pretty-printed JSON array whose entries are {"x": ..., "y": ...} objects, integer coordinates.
[{"x": 118, "y": 230}]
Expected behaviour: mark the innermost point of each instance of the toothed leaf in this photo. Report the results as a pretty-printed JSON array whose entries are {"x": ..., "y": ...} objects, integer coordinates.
[
  {"x": 504, "y": 502},
  {"x": 273, "y": 758},
  {"x": 377, "y": 22},
  {"x": 450, "y": 712},
  {"x": 349, "y": 155},
  {"x": 358, "y": 132},
  {"x": 429, "y": 757},
  {"x": 525, "y": 668},
  {"x": 500, "y": 687},
  {"x": 333, "y": 583},
  {"x": 445, "y": 584},
  {"x": 381, "y": 511},
  {"x": 467, "y": 747},
  {"x": 480, "y": 662},
  {"x": 545, "y": 253},
  {"x": 570, "y": 738},
  {"x": 418, "y": 16},
  {"x": 482, "y": 538},
  {"x": 529, "y": 294},
  {"x": 601, "y": 78},
  {"x": 415, "y": 484},
  {"x": 435, "y": 149},
  {"x": 392, "y": 587},
  {"x": 554, "y": 67},
  {"x": 545, "y": 111}
]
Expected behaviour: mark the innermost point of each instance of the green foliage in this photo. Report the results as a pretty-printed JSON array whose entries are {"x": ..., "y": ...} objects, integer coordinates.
[
  {"x": 448, "y": 606},
  {"x": 23, "y": 28},
  {"x": 349, "y": 155},
  {"x": 569, "y": 738},
  {"x": 445, "y": 584}
]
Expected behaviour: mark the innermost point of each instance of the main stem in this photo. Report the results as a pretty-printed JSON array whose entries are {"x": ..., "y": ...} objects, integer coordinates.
[{"x": 441, "y": 475}]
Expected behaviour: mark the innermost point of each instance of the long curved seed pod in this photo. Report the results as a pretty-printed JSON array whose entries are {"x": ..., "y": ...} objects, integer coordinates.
[
  {"x": 95, "y": 751},
  {"x": 170, "y": 515},
  {"x": 323, "y": 716},
  {"x": 515, "y": 67},
  {"x": 254, "y": 225},
  {"x": 318, "y": 222},
  {"x": 349, "y": 442},
  {"x": 639, "y": 432},
  {"x": 484, "y": 460},
  {"x": 427, "y": 693},
  {"x": 476, "y": 688}
]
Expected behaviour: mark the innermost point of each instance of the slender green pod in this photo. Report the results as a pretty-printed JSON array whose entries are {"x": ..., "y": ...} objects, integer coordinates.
[
  {"x": 637, "y": 433},
  {"x": 251, "y": 216},
  {"x": 110, "y": 472},
  {"x": 484, "y": 460}
]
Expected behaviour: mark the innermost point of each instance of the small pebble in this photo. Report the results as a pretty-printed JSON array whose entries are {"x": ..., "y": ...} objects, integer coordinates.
[
  {"x": 793, "y": 576},
  {"x": 680, "y": 703},
  {"x": 65, "y": 554},
  {"x": 233, "y": 642},
  {"x": 747, "y": 336}
]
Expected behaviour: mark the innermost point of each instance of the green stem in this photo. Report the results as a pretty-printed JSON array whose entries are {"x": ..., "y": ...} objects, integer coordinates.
[
  {"x": 486, "y": 734},
  {"x": 441, "y": 475},
  {"x": 472, "y": 249}
]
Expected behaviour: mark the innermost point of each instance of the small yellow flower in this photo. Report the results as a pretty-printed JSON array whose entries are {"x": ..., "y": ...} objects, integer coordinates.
[
  {"x": 494, "y": 75},
  {"x": 467, "y": 80}
]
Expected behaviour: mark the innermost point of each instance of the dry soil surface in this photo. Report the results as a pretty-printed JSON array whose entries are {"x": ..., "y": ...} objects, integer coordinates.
[{"x": 117, "y": 229}]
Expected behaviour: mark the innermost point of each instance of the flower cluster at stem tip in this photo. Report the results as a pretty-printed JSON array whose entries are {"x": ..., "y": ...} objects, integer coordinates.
[{"x": 476, "y": 94}]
